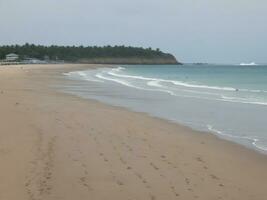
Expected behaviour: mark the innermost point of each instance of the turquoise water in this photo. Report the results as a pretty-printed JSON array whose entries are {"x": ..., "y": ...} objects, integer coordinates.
[
  {"x": 227, "y": 100},
  {"x": 246, "y": 84}
]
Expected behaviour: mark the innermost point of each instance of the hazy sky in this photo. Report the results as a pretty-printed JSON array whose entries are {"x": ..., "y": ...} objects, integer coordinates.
[{"x": 193, "y": 30}]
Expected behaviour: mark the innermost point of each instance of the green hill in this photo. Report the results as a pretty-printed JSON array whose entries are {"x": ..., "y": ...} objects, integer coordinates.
[{"x": 95, "y": 54}]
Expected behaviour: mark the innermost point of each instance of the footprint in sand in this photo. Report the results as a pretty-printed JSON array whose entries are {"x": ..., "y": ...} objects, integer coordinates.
[
  {"x": 187, "y": 180},
  {"x": 174, "y": 191},
  {"x": 123, "y": 161},
  {"x": 84, "y": 182},
  {"x": 154, "y": 166},
  {"x": 142, "y": 179},
  {"x": 152, "y": 197},
  {"x": 199, "y": 159},
  {"x": 214, "y": 177},
  {"x": 120, "y": 183}
]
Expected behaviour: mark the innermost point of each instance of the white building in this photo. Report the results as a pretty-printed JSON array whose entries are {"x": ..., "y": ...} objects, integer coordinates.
[
  {"x": 12, "y": 57},
  {"x": 33, "y": 61}
]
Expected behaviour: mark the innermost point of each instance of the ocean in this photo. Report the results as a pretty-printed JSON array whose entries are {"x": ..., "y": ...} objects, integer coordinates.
[{"x": 227, "y": 100}]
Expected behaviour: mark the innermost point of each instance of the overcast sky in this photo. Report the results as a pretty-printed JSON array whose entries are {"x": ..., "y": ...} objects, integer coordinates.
[{"x": 229, "y": 31}]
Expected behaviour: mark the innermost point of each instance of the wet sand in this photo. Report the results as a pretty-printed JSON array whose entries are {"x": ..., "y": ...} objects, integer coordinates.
[{"x": 56, "y": 146}]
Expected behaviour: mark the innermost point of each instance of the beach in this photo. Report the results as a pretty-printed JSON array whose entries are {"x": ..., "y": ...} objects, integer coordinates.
[
  {"x": 233, "y": 98},
  {"x": 56, "y": 146}
]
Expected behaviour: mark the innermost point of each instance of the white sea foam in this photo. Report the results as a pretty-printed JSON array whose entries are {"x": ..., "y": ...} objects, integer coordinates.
[
  {"x": 204, "y": 86},
  {"x": 261, "y": 147},
  {"x": 110, "y": 74},
  {"x": 81, "y": 73},
  {"x": 254, "y": 141},
  {"x": 100, "y": 76},
  {"x": 185, "y": 90},
  {"x": 179, "y": 83},
  {"x": 243, "y": 100},
  {"x": 253, "y": 91},
  {"x": 84, "y": 76},
  {"x": 131, "y": 85},
  {"x": 156, "y": 82}
]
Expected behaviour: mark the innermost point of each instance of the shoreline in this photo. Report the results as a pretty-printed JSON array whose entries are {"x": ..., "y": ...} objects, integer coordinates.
[
  {"x": 216, "y": 133},
  {"x": 113, "y": 152}
]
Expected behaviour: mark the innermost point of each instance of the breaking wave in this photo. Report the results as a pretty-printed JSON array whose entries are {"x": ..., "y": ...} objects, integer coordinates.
[
  {"x": 172, "y": 87},
  {"x": 253, "y": 140},
  {"x": 173, "y": 90}
]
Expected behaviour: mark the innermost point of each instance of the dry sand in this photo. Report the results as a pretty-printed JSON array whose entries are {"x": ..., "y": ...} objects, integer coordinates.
[{"x": 55, "y": 146}]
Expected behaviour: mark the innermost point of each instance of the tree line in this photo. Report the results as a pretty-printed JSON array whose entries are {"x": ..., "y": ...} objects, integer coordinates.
[{"x": 74, "y": 53}]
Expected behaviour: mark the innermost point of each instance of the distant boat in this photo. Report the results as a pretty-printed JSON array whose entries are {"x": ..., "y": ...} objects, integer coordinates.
[{"x": 248, "y": 64}]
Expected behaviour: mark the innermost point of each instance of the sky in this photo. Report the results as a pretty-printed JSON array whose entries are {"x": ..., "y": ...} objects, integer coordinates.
[{"x": 216, "y": 31}]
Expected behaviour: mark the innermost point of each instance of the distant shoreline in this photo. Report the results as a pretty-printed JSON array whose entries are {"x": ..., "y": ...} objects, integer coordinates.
[
  {"x": 33, "y": 54},
  {"x": 110, "y": 62}
]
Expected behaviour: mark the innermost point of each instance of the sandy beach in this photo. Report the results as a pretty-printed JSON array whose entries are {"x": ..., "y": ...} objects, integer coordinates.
[{"x": 54, "y": 146}]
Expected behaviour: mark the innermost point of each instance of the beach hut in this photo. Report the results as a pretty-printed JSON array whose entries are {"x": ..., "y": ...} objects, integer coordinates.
[{"x": 12, "y": 57}]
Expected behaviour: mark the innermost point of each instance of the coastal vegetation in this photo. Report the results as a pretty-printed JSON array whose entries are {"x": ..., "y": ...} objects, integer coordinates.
[{"x": 90, "y": 54}]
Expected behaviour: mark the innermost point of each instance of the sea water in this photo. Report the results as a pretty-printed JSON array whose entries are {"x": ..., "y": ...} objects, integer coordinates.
[{"x": 227, "y": 100}]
